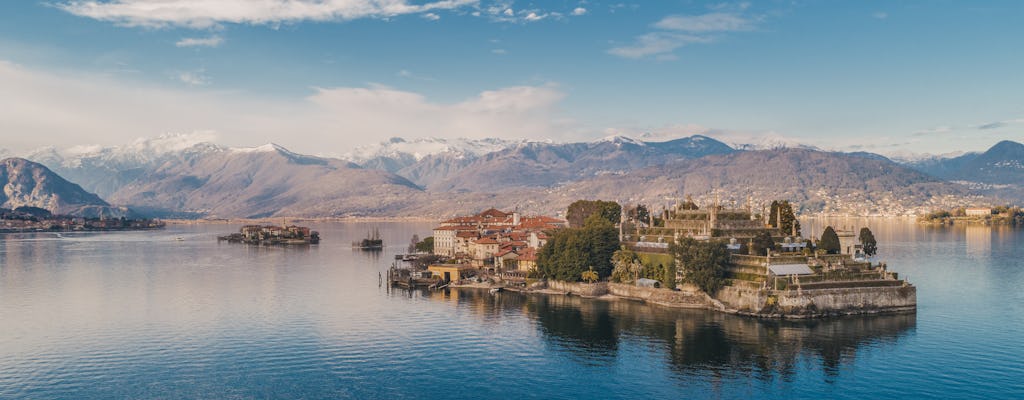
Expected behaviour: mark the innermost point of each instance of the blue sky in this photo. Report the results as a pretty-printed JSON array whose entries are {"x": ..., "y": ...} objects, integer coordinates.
[{"x": 324, "y": 76}]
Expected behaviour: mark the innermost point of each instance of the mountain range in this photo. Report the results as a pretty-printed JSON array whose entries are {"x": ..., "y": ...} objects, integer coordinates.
[{"x": 173, "y": 175}]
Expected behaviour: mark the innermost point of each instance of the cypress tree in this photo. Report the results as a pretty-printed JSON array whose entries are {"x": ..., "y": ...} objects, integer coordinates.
[
  {"x": 867, "y": 242},
  {"x": 829, "y": 241}
]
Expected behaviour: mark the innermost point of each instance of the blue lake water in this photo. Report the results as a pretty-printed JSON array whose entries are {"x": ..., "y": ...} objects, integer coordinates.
[{"x": 142, "y": 315}]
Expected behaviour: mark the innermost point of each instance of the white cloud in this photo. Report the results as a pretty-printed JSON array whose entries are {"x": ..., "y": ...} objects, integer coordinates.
[
  {"x": 211, "y": 41},
  {"x": 713, "y": 22},
  {"x": 499, "y": 51},
  {"x": 676, "y": 31},
  {"x": 533, "y": 16},
  {"x": 39, "y": 108},
  {"x": 194, "y": 78},
  {"x": 579, "y": 11},
  {"x": 656, "y": 44},
  {"x": 431, "y": 16},
  {"x": 880, "y": 15},
  {"x": 210, "y": 13}
]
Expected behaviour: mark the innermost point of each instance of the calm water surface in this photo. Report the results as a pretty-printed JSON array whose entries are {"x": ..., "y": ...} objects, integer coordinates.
[{"x": 141, "y": 315}]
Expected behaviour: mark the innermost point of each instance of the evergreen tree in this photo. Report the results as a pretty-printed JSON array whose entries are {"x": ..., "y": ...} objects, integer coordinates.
[
  {"x": 426, "y": 245},
  {"x": 830, "y": 241},
  {"x": 762, "y": 242},
  {"x": 788, "y": 217},
  {"x": 571, "y": 251},
  {"x": 867, "y": 242},
  {"x": 580, "y": 210},
  {"x": 773, "y": 215},
  {"x": 703, "y": 262}
]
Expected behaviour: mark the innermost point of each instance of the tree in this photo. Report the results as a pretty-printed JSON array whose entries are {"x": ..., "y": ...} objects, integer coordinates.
[
  {"x": 762, "y": 242},
  {"x": 589, "y": 275},
  {"x": 868, "y": 242},
  {"x": 580, "y": 210},
  {"x": 829, "y": 241},
  {"x": 688, "y": 204},
  {"x": 783, "y": 217},
  {"x": 570, "y": 250},
  {"x": 703, "y": 262},
  {"x": 426, "y": 245},
  {"x": 412, "y": 243}
]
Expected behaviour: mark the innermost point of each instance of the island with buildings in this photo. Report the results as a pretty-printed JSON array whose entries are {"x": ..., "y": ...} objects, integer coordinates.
[
  {"x": 273, "y": 235},
  {"x": 733, "y": 260},
  {"x": 1000, "y": 215}
]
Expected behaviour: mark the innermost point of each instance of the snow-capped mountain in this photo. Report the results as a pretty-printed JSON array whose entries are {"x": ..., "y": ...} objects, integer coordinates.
[{"x": 418, "y": 148}]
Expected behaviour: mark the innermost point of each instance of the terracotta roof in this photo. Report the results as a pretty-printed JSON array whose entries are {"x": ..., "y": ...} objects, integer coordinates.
[
  {"x": 493, "y": 213},
  {"x": 504, "y": 252},
  {"x": 487, "y": 240},
  {"x": 528, "y": 254}
]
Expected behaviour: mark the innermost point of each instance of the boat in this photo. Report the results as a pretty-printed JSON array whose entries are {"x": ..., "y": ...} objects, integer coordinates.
[
  {"x": 494, "y": 290},
  {"x": 371, "y": 242}
]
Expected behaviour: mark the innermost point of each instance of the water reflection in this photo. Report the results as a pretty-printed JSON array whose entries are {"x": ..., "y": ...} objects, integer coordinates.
[{"x": 691, "y": 341}]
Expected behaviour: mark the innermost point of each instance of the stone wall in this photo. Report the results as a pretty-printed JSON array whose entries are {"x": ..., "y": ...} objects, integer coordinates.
[
  {"x": 818, "y": 302},
  {"x": 580, "y": 288},
  {"x": 687, "y": 297}
]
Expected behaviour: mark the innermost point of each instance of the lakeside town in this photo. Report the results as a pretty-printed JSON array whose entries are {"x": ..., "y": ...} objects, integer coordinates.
[
  {"x": 736, "y": 260},
  {"x": 34, "y": 219}
]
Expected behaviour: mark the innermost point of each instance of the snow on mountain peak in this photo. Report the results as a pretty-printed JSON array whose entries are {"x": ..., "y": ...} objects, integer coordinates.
[{"x": 418, "y": 148}]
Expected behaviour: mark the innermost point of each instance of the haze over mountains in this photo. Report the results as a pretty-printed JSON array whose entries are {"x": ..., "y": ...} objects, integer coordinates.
[{"x": 173, "y": 175}]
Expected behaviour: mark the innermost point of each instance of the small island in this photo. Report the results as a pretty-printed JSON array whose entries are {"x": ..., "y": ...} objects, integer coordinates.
[
  {"x": 999, "y": 215},
  {"x": 273, "y": 235}
]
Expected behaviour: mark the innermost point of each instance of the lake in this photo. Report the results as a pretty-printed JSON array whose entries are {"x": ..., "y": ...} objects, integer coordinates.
[{"x": 143, "y": 315}]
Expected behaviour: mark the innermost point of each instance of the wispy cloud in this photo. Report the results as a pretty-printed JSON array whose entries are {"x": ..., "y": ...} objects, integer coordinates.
[
  {"x": 579, "y": 11},
  {"x": 999, "y": 124},
  {"x": 431, "y": 16},
  {"x": 713, "y": 22},
  {"x": 880, "y": 15},
  {"x": 675, "y": 31},
  {"x": 209, "y": 13},
  {"x": 58, "y": 107},
  {"x": 211, "y": 41},
  {"x": 933, "y": 131},
  {"x": 656, "y": 44},
  {"x": 410, "y": 75},
  {"x": 194, "y": 78}
]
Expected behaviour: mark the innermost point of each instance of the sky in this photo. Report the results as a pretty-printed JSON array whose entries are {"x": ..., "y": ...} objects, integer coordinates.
[{"x": 324, "y": 76}]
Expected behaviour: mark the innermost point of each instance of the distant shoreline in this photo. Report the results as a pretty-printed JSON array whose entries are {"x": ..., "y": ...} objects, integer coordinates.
[{"x": 289, "y": 220}]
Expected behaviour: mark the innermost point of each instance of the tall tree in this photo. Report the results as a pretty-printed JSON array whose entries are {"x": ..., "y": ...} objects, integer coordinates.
[
  {"x": 426, "y": 245},
  {"x": 762, "y": 242},
  {"x": 830, "y": 241},
  {"x": 570, "y": 251},
  {"x": 868, "y": 242},
  {"x": 580, "y": 210},
  {"x": 789, "y": 222},
  {"x": 703, "y": 262},
  {"x": 773, "y": 215}
]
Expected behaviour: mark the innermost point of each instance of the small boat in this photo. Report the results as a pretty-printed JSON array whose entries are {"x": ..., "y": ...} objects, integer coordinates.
[
  {"x": 494, "y": 290},
  {"x": 179, "y": 239},
  {"x": 372, "y": 242}
]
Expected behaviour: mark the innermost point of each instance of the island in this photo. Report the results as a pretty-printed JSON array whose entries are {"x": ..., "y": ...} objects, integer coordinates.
[
  {"x": 741, "y": 260},
  {"x": 273, "y": 235}
]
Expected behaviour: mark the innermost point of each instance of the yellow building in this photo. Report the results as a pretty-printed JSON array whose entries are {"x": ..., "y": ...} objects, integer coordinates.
[{"x": 451, "y": 272}]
